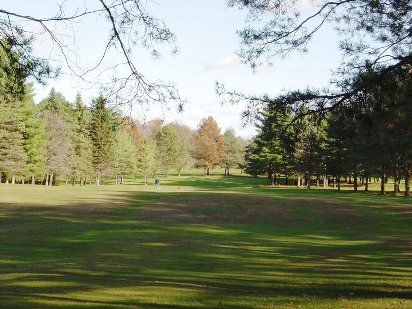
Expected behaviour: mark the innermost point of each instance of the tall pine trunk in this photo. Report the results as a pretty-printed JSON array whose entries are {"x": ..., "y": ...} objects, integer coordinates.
[
  {"x": 382, "y": 179},
  {"x": 325, "y": 182},
  {"x": 355, "y": 180},
  {"x": 338, "y": 181},
  {"x": 407, "y": 181}
]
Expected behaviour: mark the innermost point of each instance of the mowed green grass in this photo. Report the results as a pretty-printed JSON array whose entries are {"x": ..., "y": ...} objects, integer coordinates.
[{"x": 203, "y": 242}]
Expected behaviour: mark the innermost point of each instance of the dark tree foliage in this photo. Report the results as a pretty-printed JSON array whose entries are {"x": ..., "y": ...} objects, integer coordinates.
[{"x": 268, "y": 150}]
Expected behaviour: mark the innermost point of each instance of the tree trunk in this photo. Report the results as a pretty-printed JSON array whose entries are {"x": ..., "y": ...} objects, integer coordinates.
[
  {"x": 299, "y": 181},
  {"x": 98, "y": 179},
  {"x": 13, "y": 179},
  {"x": 33, "y": 181},
  {"x": 355, "y": 180},
  {"x": 286, "y": 180},
  {"x": 325, "y": 182},
  {"x": 271, "y": 176},
  {"x": 51, "y": 181},
  {"x": 338, "y": 181},
  {"x": 407, "y": 182},
  {"x": 382, "y": 180},
  {"x": 208, "y": 171},
  {"x": 46, "y": 183},
  {"x": 228, "y": 172},
  {"x": 308, "y": 181}
]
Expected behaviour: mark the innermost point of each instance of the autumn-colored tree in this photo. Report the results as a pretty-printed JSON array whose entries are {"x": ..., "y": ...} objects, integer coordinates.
[
  {"x": 133, "y": 127},
  {"x": 209, "y": 144}
]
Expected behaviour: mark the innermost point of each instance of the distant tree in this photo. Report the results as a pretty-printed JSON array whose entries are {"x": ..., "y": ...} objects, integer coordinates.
[
  {"x": 59, "y": 160},
  {"x": 146, "y": 158},
  {"x": 186, "y": 135},
  {"x": 103, "y": 125},
  {"x": 234, "y": 150},
  {"x": 82, "y": 143},
  {"x": 150, "y": 129},
  {"x": 209, "y": 144},
  {"x": 125, "y": 154},
  {"x": 266, "y": 154},
  {"x": 134, "y": 128},
  {"x": 34, "y": 136},
  {"x": 312, "y": 159},
  {"x": 56, "y": 103},
  {"x": 171, "y": 149}
]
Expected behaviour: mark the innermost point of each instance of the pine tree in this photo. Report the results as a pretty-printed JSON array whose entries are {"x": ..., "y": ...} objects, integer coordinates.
[
  {"x": 125, "y": 154},
  {"x": 146, "y": 158},
  {"x": 12, "y": 155},
  {"x": 34, "y": 136},
  {"x": 103, "y": 125},
  {"x": 82, "y": 144}
]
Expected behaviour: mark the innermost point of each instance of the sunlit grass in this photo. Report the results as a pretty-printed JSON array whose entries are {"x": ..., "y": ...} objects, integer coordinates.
[{"x": 203, "y": 242}]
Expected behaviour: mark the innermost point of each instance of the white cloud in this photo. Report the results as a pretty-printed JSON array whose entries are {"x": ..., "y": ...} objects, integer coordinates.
[{"x": 229, "y": 61}]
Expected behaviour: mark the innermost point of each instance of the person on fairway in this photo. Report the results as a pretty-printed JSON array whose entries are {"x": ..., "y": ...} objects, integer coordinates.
[{"x": 157, "y": 183}]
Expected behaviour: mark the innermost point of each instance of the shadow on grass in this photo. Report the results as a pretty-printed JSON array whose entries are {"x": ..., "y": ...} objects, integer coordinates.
[{"x": 203, "y": 250}]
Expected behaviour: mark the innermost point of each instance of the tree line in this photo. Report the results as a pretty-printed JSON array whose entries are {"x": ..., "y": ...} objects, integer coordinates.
[
  {"x": 40, "y": 143},
  {"x": 369, "y": 137}
]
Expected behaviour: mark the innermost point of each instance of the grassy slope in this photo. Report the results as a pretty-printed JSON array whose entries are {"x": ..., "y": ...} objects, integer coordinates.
[{"x": 203, "y": 242}]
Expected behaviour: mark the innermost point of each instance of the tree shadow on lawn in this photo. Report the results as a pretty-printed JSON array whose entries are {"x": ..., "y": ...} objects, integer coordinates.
[{"x": 200, "y": 250}]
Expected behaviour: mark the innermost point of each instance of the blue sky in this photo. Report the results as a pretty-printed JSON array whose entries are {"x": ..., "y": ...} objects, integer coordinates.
[{"x": 207, "y": 41}]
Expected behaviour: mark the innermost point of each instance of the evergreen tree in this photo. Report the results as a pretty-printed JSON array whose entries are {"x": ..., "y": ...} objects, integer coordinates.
[
  {"x": 103, "y": 125},
  {"x": 146, "y": 158},
  {"x": 57, "y": 104},
  {"x": 12, "y": 155},
  {"x": 82, "y": 144},
  {"x": 266, "y": 153},
  {"x": 125, "y": 154},
  {"x": 34, "y": 136}
]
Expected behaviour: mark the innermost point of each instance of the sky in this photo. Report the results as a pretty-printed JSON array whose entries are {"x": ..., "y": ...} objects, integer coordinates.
[{"x": 207, "y": 43}]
